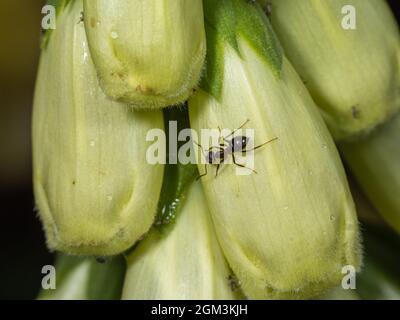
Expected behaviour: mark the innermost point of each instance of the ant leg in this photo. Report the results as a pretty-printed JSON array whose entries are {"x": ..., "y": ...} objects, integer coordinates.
[
  {"x": 216, "y": 171},
  {"x": 204, "y": 174},
  {"x": 261, "y": 145},
  {"x": 201, "y": 147},
  {"x": 205, "y": 158},
  {"x": 202, "y": 150},
  {"x": 219, "y": 164},
  {"x": 241, "y": 165},
  {"x": 218, "y": 167}
]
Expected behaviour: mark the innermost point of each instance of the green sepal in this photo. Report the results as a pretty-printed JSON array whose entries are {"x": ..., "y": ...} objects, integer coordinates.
[
  {"x": 177, "y": 177},
  {"x": 59, "y": 5},
  {"x": 379, "y": 278},
  {"x": 226, "y": 22}
]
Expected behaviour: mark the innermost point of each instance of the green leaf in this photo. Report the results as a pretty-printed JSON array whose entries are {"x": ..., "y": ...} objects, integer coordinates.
[
  {"x": 177, "y": 177},
  {"x": 254, "y": 27},
  {"x": 79, "y": 278},
  {"x": 106, "y": 279},
  {"x": 220, "y": 18},
  {"x": 59, "y": 5},
  {"x": 226, "y": 22},
  {"x": 379, "y": 278}
]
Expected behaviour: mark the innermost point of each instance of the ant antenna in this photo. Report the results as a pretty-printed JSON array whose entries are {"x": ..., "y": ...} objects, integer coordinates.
[
  {"x": 261, "y": 145},
  {"x": 234, "y": 131}
]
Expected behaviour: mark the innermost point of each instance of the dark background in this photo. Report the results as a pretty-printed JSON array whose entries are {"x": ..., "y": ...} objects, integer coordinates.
[{"x": 22, "y": 244}]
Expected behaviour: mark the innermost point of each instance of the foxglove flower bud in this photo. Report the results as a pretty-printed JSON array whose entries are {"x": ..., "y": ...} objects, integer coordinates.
[
  {"x": 147, "y": 53},
  {"x": 186, "y": 263},
  {"x": 288, "y": 230},
  {"x": 94, "y": 189},
  {"x": 375, "y": 162},
  {"x": 348, "y": 54}
]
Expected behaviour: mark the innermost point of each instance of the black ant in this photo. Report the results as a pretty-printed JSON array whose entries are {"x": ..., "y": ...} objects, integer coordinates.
[
  {"x": 81, "y": 18},
  {"x": 228, "y": 147}
]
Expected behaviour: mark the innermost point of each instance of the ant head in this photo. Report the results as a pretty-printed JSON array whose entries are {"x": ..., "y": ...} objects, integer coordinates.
[{"x": 240, "y": 142}]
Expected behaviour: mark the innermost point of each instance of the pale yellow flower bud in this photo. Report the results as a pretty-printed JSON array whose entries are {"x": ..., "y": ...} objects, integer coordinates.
[
  {"x": 375, "y": 162},
  {"x": 148, "y": 53},
  {"x": 185, "y": 263},
  {"x": 94, "y": 190},
  {"x": 288, "y": 230},
  {"x": 348, "y": 54}
]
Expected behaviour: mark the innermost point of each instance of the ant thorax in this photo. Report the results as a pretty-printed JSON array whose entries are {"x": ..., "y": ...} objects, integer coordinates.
[{"x": 239, "y": 143}]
